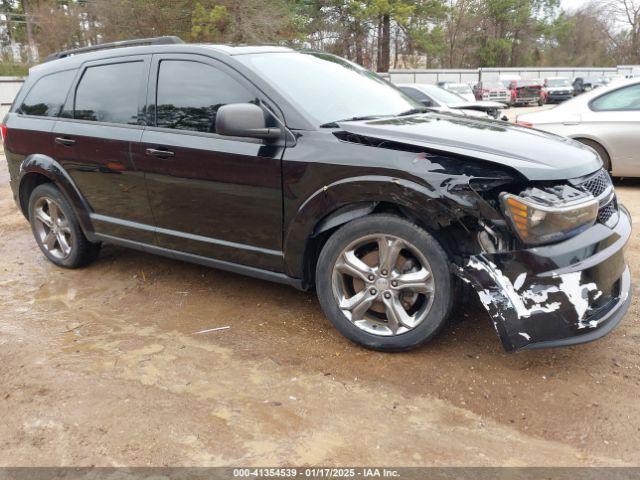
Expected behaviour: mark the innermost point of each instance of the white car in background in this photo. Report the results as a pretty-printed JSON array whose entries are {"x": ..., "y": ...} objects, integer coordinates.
[
  {"x": 557, "y": 89},
  {"x": 607, "y": 119},
  {"x": 442, "y": 100},
  {"x": 461, "y": 89},
  {"x": 493, "y": 91}
]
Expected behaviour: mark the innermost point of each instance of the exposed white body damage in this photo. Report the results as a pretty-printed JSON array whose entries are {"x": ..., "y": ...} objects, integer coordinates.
[
  {"x": 576, "y": 293},
  {"x": 535, "y": 298}
]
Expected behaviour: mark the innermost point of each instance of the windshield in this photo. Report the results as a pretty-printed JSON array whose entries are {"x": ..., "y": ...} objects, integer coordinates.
[
  {"x": 558, "y": 82},
  {"x": 442, "y": 95},
  {"x": 328, "y": 88},
  {"x": 458, "y": 88}
]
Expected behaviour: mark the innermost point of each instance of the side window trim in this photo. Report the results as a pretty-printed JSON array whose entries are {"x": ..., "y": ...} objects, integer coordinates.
[
  {"x": 150, "y": 106},
  {"x": 69, "y": 105}
]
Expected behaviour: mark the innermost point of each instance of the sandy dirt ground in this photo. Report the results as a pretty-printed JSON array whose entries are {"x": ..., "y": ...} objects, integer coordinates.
[{"x": 104, "y": 366}]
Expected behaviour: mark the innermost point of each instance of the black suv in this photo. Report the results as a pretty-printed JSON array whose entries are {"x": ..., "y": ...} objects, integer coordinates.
[
  {"x": 306, "y": 169},
  {"x": 585, "y": 84}
]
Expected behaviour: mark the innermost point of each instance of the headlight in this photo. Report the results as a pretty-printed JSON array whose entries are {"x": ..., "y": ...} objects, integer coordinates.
[{"x": 543, "y": 217}]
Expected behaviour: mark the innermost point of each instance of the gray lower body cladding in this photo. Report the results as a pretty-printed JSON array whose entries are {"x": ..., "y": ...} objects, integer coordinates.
[{"x": 572, "y": 292}]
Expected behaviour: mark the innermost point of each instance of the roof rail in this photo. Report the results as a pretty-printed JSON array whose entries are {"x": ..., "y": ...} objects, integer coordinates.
[{"x": 168, "y": 40}]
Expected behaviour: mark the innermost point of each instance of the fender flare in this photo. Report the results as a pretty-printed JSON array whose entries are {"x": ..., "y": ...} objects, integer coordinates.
[
  {"x": 48, "y": 167},
  {"x": 346, "y": 199}
]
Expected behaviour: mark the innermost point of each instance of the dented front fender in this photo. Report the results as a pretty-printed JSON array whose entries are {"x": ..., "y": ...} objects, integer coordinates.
[{"x": 572, "y": 292}]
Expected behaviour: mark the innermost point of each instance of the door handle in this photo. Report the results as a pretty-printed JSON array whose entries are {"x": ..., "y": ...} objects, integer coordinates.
[
  {"x": 67, "y": 142},
  {"x": 159, "y": 153}
]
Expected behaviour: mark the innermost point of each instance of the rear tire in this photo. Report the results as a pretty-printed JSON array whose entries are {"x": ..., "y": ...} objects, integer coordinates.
[
  {"x": 56, "y": 229},
  {"x": 384, "y": 283}
]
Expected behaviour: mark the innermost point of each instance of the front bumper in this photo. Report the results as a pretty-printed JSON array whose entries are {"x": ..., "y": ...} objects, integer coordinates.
[
  {"x": 521, "y": 100},
  {"x": 572, "y": 292},
  {"x": 559, "y": 97},
  {"x": 500, "y": 98}
]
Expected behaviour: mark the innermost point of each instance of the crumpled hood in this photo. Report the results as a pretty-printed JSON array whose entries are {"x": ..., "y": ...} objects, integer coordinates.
[{"x": 536, "y": 155}]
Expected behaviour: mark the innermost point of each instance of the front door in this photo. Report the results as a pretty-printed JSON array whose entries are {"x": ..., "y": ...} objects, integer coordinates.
[{"x": 213, "y": 196}]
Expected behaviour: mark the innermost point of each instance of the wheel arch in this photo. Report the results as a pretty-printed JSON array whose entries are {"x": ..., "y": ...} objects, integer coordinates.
[
  {"x": 38, "y": 169},
  {"x": 597, "y": 141},
  {"x": 337, "y": 204},
  {"x": 28, "y": 183}
]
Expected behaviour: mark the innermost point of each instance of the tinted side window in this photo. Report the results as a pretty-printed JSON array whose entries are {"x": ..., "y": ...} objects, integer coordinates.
[
  {"x": 627, "y": 98},
  {"x": 47, "y": 96},
  {"x": 190, "y": 93},
  {"x": 110, "y": 93}
]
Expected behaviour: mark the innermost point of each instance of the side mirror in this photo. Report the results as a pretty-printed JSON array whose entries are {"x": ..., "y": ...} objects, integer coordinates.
[
  {"x": 244, "y": 120},
  {"x": 427, "y": 102}
]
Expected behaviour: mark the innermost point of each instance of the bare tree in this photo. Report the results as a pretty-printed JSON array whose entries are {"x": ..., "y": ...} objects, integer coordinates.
[
  {"x": 625, "y": 15},
  {"x": 582, "y": 38},
  {"x": 459, "y": 22},
  {"x": 374, "y": 33}
]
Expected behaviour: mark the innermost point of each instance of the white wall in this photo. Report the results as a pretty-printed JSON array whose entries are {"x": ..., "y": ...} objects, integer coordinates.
[
  {"x": 9, "y": 87},
  {"x": 472, "y": 76}
]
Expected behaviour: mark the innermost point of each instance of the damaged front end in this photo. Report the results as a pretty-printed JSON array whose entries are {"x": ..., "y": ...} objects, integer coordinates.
[
  {"x": 543, "y": 249},
  {"x": 547, "y": 290}
]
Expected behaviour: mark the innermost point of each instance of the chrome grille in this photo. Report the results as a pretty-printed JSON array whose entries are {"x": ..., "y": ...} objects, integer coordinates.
[
  {"x": 597, "y": 184},
  {"x": 606, "y": 212},
  {"x": 600, "y": 186}
]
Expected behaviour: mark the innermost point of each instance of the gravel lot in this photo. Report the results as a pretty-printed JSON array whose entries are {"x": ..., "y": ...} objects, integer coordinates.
[{"x": 104, "y": 366}]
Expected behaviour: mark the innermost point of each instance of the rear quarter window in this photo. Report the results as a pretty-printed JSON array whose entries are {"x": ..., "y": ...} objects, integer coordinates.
[{"x": 47, "y": 96}]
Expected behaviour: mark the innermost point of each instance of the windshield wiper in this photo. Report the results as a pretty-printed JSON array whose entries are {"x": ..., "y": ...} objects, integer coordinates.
[
  {"x": 413, "y": 111},
  {"x": 334, "y": 124}
]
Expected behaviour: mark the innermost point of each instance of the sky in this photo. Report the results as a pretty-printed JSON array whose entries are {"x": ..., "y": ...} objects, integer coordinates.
[{"x": 571, "y": 4}]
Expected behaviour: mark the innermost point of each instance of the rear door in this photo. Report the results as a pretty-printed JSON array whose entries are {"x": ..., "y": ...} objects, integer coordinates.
[
  {"x": 101, "y": 124},
  {"x": 34, "y": 116},
  {"x": 211, "y": 195}
]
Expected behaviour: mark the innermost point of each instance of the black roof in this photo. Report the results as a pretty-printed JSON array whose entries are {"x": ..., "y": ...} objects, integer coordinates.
[
  {"x": 107, "y": 46},
  {"x": 74, "y": 57}
]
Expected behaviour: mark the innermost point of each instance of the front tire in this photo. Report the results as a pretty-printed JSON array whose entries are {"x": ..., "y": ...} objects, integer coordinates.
[
  {"x": 384, "y": 283},
  {"x": 56, "y": 229}
]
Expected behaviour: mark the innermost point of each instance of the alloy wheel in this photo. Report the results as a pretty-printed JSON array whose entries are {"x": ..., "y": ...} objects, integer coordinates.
[
  {"x": 383, "y": 284},
  {"x": 52, "y": 228}
]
